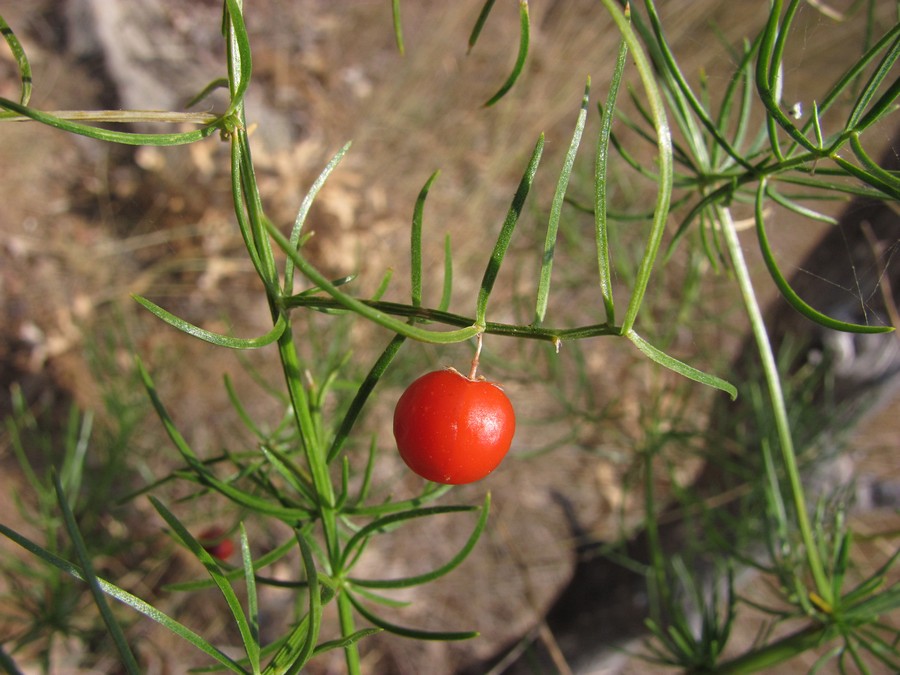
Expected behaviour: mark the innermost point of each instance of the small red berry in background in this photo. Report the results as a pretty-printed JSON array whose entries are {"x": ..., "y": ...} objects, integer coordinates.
[
  {"x": 453, "y": 429},
  {"x": 214, "y": 541}
]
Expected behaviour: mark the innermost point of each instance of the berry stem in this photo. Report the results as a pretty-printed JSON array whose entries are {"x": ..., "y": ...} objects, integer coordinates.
[{"x": 474, "y": 371}]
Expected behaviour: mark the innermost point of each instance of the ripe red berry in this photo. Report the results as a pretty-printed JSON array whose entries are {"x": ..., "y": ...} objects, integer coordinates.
[
  {"x": 215, "y": 542},
  {"x": 452, "y": 429}
]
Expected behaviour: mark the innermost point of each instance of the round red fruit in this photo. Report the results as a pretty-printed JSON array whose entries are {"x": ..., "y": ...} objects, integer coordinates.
[
  {"x": 451, "y": 429},
  {"x": 215, "y": 542}
]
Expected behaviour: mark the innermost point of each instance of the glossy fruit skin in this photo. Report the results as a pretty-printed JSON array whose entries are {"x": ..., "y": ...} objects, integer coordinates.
[{"x": 453, "y": 430}]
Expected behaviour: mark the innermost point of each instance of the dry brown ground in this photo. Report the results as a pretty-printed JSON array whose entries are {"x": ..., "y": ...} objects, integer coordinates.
[{"x": 84, "y": 225}]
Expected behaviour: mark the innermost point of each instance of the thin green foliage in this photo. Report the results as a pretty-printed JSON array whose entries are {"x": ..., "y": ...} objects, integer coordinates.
[
  {"x": 362, "y": 394},
  {"x": 415, "y": 246},
  {"x": 25, "y": 74},
  {"x": 601, "y": 175},
  {"x": 732, "y": 181},
  {"x": 681, "y": 86},
  {"x": 452, "y": 564},
  {"x": 300, "y": 643},
  {"x": 479, "y": 23},
  {"x": 521, "y": 57},
  {"x": 776, "y": 395},
  {"x": 677, "y": 366},
  {"x": 447, "y": 290},
  {"x": 311, "y": 471},
  {"x": 789, "y": 294},
  {"x": 664, "y": 163},
  {"x": 84, "y": 558},
  {"x": 404, "y": 631},
  {"x": 543, "y": 293},
  {"x": 111, "y": 136},
  {"x": 398, "y": 26},
  {"x": 366, "y": 310},
  {"x": 505, "y": 236},
  {"x": 249, "y": 637},
  {"x": 717, "y": 167},
  {"x": 208, "y": 336},
  {"x": 62, "y": 458},
  {"x": 125, "y": 597},
  {"x": 303, "y": 213}
]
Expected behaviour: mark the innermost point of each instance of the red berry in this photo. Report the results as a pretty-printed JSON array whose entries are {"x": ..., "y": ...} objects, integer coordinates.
[
  {"x": 452, "y": 429},
  {"x": 214, "y": 541}
]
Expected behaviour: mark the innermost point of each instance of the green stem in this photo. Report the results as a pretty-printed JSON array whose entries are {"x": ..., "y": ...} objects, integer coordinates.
[
  {"x": 779, "y": 409},
  {"x": 290, "y": 362},
  {"x": 345, "y": 615},
  {"x": 311, "y": 442},
  {"x": 422, "y": 314},
  {"x": 362, "y": 308},
  {"x": 318, "y": 466}
]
